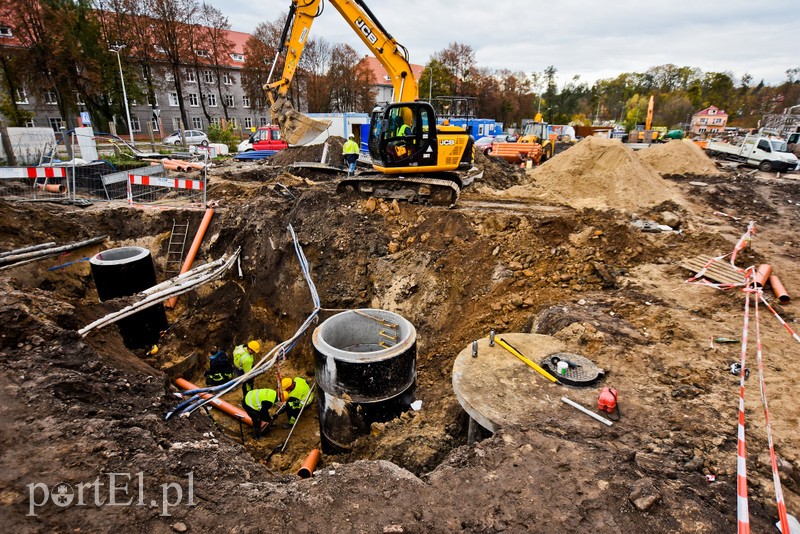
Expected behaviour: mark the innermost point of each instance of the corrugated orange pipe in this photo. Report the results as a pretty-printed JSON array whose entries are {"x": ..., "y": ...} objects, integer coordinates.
[
  {"x": 778, "y": 289},
  {"x": 227, "y": 407},
  {"x": 762, "y": 274},
  {"x": 307, "y": 469},
  {"x": 198, "y": 238}
]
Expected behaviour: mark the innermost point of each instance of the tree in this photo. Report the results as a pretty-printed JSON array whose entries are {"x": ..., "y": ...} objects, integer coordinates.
[
  {"x": 351, "y": 81},
  {"x": 315, "y": 63},
  {"x": 459, "y": 60},
  {"x": 216, "y": 27},
  {"x": 171, "y": 29},
  {"x": 259, "y": 50}
]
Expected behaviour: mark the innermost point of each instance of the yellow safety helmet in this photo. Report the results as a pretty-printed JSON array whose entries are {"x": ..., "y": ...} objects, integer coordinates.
[
  {"x": 284, "y": 396},
  {"x": 287, "y": 383},
  {"x": 254, "y": 345}
]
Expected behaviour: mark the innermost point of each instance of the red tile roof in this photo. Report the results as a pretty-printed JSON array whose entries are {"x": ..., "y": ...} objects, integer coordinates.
[
  {"x": 707, "y": 111},
  {"x": 379, "y": 74}
]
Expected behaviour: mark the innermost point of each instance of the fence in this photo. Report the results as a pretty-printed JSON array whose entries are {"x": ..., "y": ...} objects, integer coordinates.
[
  {"x": 99, "y": 181},
  {"x": 33, "y": 183},
  {"x": 166, "y": 191}
]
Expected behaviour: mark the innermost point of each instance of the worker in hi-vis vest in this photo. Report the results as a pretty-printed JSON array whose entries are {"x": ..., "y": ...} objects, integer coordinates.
[
  {"x": 257, "y": 404},
  {"x": 350, "y": 154},
  {"x": 297, "y": 389},
  {"x": 243, "y": 362}
]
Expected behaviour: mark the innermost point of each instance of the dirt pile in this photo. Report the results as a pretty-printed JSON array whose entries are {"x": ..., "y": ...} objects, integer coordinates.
[
  {"x": 679, "y": 158},
  {"x": 311, "y": 153},
  {"x": 600, "y": 174}
]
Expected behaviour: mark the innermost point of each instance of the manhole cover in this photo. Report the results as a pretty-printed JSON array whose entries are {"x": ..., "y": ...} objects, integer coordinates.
[{"x": 581, "y": 372}]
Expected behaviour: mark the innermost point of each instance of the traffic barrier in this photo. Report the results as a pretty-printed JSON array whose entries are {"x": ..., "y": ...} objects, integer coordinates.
[
  {"x": 149, "y": 189},
  {"x": 33, "y": 183}
]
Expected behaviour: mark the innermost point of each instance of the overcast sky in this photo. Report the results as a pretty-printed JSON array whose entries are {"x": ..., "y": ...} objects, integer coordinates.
[{"x": 591, "y": 38}]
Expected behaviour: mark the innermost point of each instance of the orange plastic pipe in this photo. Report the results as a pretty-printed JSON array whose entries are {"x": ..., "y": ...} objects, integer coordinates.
[
  {"x": 307, "y": 469},
  {"x": 198, "y": 238},
  {"x": 53, "y": 188},
  {"x": 778, "y": 289},
  {"x": 227, "y": 407},
  {"x": 762, "y": 274}
]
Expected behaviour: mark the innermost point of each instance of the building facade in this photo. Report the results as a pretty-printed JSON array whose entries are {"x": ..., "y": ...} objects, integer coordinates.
[
  {"x": 709, "y": 122},
  {"x": 205, "y": 100}
]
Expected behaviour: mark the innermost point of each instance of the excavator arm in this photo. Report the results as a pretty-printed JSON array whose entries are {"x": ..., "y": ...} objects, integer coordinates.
[{"x": 298, "y": 128}]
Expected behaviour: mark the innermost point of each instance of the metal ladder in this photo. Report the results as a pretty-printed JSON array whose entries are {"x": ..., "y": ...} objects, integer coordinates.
[{"x": 177, "y": 243}]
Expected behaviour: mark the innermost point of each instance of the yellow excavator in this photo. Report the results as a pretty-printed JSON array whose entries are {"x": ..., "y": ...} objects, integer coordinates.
[{"x": 413, "y": 158}]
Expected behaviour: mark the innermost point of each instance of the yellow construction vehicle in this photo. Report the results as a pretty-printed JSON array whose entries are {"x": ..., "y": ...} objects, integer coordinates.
[
  {"x": 417, "y": 159},
  {"x": 647, "y": 135},
  {"x": 538, "y": 132}
]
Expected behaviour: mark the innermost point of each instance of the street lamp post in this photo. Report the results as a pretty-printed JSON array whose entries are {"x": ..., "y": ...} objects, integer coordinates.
[{"x": 116, "y": 50}]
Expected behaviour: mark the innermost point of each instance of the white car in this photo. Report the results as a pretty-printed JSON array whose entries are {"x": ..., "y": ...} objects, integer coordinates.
[{"x": 193, "y": 137}]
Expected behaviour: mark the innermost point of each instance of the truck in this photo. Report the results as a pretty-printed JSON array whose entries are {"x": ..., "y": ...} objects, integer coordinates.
[
  {"x": 765, "y": 152},
  {"x": 264, "y": 138}
]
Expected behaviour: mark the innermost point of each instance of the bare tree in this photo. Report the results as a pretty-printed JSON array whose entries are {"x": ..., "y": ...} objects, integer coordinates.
[
  {"x": 350, "y": 81},
  {"x": 216, "y": 27},
  {"x": 171, "y": 30}
]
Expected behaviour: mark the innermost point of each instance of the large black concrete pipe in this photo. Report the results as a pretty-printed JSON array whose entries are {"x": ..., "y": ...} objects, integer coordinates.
[
  {"x": 122, "y": 272},
  {"x": 359, "y": 381}
]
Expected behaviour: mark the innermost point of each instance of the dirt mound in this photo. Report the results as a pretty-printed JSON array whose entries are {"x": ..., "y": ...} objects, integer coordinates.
[
  {"x": 598, "y": 173},
  {"x": 679, "y": 158},
  {"x": 310, "y": 153},
  {"x": 497, "y": 172}
]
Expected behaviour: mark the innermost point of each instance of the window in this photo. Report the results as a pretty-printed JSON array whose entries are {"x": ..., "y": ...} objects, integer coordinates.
[
  {"x": 238, "y": 58},
  {"x": 154, "y": 124},
  {"x": 215, "y": 121},
  {"x": 262, "y": 121},
  {"x": 176, "y": 123},
  {"x": 136, "y": 126},
  {"x": 233, "y": 122},
  {"x": 208, "y": 76},
  {"x": 712, "y": 111},
  {"x": 197, "y": 123},
  {"x": 5, "y": 31},
  {"x": 245, "y": 101},
  {"x": 193, "y": 100},
  {"x": 191, "y": 77},
  {"x": 21, "y": 96},
  {"x": 55, "y": 123},
  {"x": 202, "y": 53},
  {"x": 173, "y": 99},
  {"x": 153, "y": 103},
  {"x": 229, "y": 101},
  {"x": 30, "y": 124},
  {"x": 227, "y": 79},
  {"x": 704, "y": 121},
  {"x": 50, "y": 98},
  {"x": 211, "y": 99},
  {"x": 717, "y": 121},
  {"x": 248, "y": 122}
]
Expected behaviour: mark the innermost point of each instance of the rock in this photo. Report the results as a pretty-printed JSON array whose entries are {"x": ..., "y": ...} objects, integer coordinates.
[
  {"x": 670, "y": 219},
  {"x": 395, "y": 207},
  {"x": 644, "y": 494},
  {"x": 393, "y": 247},
  {"x": 179, "y": 527},
  {"x": 370, "y": 205},
  {"x": 393, "y": 529}
]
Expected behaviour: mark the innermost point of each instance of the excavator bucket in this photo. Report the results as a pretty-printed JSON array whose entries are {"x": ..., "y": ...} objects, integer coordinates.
[{"x": 296, "y": 128}]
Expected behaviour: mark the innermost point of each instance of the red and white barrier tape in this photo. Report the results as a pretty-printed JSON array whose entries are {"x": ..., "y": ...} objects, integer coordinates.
[
  {"x": 773, "y": 460},
  {"x": 749, "y": 287},
  {"x": 33, "y": 172},
  {"x": 160, "y": 181}
]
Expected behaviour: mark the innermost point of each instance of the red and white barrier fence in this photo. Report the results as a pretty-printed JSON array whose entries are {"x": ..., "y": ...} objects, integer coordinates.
[
  {"x": 160, "y": 181},
  {"x": 33, "y": 172}
]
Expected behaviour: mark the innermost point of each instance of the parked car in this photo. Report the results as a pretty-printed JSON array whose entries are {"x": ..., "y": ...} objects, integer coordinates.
[
  {"x": 193, "y": 137},
  {"x": 482, "y": 143},
  {"x": 505, "y": 138}
]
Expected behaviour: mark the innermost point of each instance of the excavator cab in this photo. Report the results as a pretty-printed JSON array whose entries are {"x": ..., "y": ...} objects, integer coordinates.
[{"x": 403, "y": 135}]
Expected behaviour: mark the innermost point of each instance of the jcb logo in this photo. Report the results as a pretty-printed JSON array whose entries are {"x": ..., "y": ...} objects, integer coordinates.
[
  {"x": 366, "y": 30},
  {"x": 447, "y": 142}
]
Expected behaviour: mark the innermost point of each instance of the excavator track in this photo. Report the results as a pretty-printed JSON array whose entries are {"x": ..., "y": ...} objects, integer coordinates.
[{"x": 424, "y": 190}]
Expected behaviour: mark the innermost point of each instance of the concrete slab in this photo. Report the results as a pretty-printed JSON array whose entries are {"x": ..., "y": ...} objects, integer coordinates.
[{"x": 497, "y": 389}]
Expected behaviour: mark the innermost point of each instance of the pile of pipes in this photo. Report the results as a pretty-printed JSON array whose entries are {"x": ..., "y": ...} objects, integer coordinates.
[{"x": 20, "y": 256}]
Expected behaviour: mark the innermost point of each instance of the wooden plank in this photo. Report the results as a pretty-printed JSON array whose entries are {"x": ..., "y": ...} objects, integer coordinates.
[{"x": 719, "y": 271}]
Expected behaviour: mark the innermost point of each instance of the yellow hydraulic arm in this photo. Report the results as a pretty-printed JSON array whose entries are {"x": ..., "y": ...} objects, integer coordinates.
[{"x": 392, "y": 55}]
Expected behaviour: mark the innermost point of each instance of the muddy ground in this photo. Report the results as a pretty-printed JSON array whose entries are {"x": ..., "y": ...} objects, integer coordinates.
[{"x": 76, "y": 409}]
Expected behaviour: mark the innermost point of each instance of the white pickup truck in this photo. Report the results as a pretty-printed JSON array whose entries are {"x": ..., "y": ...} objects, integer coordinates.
[{"x": 766, "y": 153}]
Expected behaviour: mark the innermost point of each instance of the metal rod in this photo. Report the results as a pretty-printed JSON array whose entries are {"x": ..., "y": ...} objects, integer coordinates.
[{"x": 587, "y": 412}]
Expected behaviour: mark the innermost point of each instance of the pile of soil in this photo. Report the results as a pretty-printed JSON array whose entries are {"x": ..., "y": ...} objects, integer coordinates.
[
  {"x": 311, "y": 153},
  {"x": 599, "y": 174},
  {"x": 679, "y": 158},
  {"x": 497, "y": 172}
]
